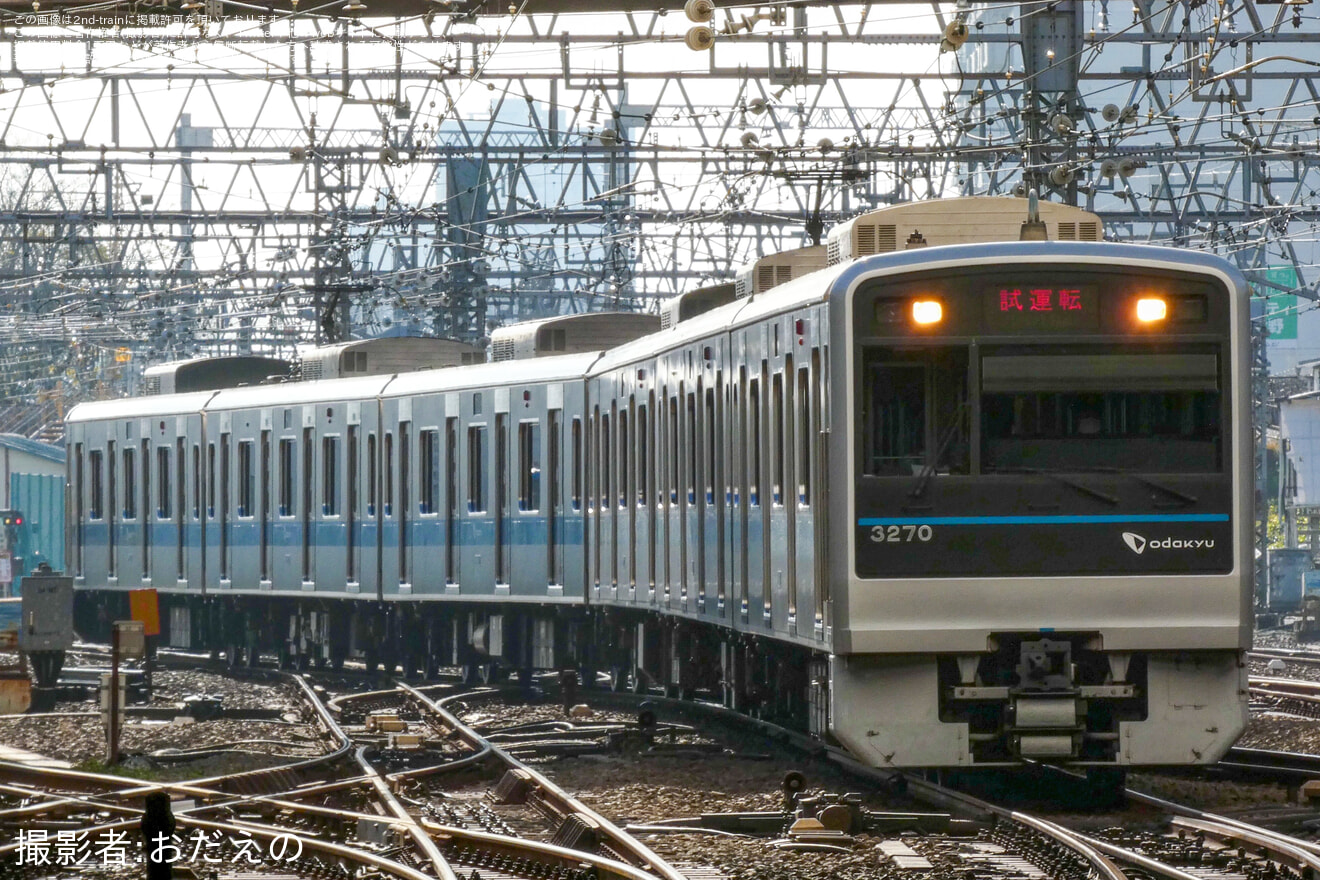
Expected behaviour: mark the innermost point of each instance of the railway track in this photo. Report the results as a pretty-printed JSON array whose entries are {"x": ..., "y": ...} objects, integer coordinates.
[{"x": 413, "y": 842}]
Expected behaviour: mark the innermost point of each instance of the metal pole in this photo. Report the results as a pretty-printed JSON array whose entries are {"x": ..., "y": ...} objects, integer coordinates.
[{"x": 112, "y": 756}]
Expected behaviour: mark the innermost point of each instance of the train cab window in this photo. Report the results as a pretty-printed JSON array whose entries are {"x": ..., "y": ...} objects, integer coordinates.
[
  {"x": 94, "y": 499},
  {"x": 529, "y": 466},
  {"x": 163, "y": 482},
  {"x": 428, "y": 459},
  {"x": 1132, "y": 411},
  {"x": 913, "y": 411},
  {"x": 130, "y": 484},
  {"x": 330, "y": 476},
  {"x": 476, "y": 469},
  {"x": 246, "y": 477},
  {"x": 577, "y": 464},
  {"x": 287, "y": 474}
]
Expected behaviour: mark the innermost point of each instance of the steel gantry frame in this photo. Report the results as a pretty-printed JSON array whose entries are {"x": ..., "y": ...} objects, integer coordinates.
[{"x": 201, "y": 184}]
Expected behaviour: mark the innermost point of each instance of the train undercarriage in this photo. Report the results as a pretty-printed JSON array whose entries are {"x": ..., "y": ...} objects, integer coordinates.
[{"x": 1057, "y": 698}]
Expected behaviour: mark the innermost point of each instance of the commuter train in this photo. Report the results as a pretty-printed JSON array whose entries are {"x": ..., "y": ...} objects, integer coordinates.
[{"x": 951, "y": 504}]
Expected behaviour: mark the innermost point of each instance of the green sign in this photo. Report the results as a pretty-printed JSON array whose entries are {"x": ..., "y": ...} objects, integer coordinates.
[{"x": 1280, "y": 308}]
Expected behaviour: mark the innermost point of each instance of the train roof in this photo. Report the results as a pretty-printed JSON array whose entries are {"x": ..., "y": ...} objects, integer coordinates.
[
  {"x": 548, "y": 369},
  {"x": 969, "y": 254},
  {"x": 140, "y": 407},
  {"x": 803, "y": 291},
  {"x": 529, "y": 371}
]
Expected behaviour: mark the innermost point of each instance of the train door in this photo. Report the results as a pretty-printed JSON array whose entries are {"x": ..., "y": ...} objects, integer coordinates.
[
  {"x": 130, "y": 528},
  {"x": 553, "y": 487},
  {"x": 807, "y": 418},
  {"x": 573, "y": 577},
  {"x": 531, "y": 537},
  {"x": 755, "y": 594},
  {"x": 477, "y": 534},
  {"x": 287, "y": 505},
  {"x": 266, "y": 515},
  {"x": 396, "y": 417},
  {"x": 453, "y": 517},
  {"x": 194, "y": 544},
  {"x": 502, "y": 543},
  {"x": 330, "y": 529},
  {"x": 428, "y": 511},
  {"x": 161, "y": 570},
  {"x": 778, "y": 455},
  {"x": 245, "y": 497},
  {"x": 368, "y": 525},
  {"x": 673, "y": 510},
  {"x": 714, "y": 484}
]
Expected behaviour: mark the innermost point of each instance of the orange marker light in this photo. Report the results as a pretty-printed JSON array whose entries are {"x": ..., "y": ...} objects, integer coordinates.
[
  {"x": 927, "y": 311},
  {"x": 1150, "y": 309}
]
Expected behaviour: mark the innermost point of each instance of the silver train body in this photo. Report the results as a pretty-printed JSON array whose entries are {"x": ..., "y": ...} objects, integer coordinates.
[{"x": 1019, "y": 530}]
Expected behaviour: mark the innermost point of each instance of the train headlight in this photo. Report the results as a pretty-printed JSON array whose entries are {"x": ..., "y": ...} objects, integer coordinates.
[
  {"x": 1151, "y": 309},
  {"x": 927, "y": 311}
]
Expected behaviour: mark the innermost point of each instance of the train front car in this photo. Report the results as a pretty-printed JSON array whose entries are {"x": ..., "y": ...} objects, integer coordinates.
[{"x": 1050, "y": 552}]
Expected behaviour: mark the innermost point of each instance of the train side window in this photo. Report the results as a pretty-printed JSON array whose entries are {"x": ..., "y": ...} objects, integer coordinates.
[
  {"x": 577, "y": 464},
  {"x": 111, "y": 479},
  {"x": 245, "y": 478},
  {"x": 806, "y": 405},
  {"x": 307, "y": 452},
  {"x": 451, "y": 499},
  {"x": 643, "y": 456},
  {"x": 691, "y": 460},
  {"x": 197, "y": 480},
  {"x": 210, "y": 480},
  {"x": 224, "y": 505},
  {"x": 330, "y": 476},
  {"x": 387, "y": 498},
  {"x": 709, "y": 475},
  {"x": 286, "y": 476},
  {"x": 672, "y": 454},
  {"x": 373, "y": 473},
  {"x": 624, "y": 461},
  {"x": 529, "y": 466},
  {"x": 428, "y": 455},
  {"x": 130, "y": 484},
  {"x": 94, "y": 508},
  {"x": 754, "y": 446},
  {"x": 777, "y": 451},
  {"x": 163, "y": 482},
  {"x": 605, "y": 459},
  {"x": 476, "y": 469}
]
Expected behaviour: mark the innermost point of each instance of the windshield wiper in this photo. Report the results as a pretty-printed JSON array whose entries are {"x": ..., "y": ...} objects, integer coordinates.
[
  {"x": 1111, "y": 500},
  {"x": 1153, "y": 484},
  {"x": 923, "y": 479}
]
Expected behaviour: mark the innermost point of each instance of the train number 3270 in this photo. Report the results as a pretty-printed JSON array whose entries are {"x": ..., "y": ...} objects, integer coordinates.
[{"x": 900, "y": 534}]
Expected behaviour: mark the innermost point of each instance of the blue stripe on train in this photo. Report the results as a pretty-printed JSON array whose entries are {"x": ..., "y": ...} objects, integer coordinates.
[{"x": 1042, "y": 520}]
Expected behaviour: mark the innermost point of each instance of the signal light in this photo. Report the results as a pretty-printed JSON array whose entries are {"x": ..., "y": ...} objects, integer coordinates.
[
  {"x": 1150, "y": 309},
  {"x": 927, "y": 311}
]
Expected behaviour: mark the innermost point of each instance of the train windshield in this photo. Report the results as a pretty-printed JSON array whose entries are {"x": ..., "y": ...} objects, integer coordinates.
[{"x": 1040, "y": 408}]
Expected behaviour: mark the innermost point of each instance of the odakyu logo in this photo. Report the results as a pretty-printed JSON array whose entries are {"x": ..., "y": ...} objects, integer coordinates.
[{"x": 1138, "y": 544}]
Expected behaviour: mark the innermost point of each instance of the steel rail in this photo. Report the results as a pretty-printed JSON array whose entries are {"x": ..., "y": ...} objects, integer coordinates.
[{"x": 559, "y": 800}]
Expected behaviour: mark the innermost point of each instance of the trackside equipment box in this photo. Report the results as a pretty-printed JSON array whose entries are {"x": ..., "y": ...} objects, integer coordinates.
[{"x": 47, "y": 612}]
